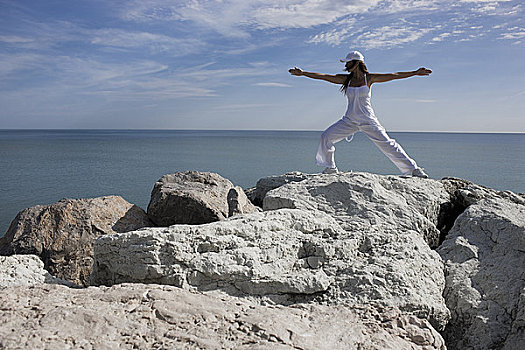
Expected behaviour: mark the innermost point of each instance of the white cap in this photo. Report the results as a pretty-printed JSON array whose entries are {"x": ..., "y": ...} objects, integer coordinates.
[{"x": 354, "y": 55}]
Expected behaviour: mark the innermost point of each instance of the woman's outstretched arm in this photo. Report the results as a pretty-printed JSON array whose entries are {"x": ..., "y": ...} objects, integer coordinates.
[
  {"x": 336, "y": 79},
  {"x": 382, "y": 78}
]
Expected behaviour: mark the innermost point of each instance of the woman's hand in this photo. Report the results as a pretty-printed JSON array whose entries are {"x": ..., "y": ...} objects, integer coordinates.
[
  {"x": 423, "y": 71},
  {"x": 296, "y": 71}
]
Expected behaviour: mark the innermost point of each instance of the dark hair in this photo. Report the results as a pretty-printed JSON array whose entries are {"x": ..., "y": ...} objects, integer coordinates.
[{"x": 363, "y": 69}]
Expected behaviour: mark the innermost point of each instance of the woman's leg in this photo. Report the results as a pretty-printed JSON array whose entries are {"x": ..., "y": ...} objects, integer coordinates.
[
  {"x": 389, "y": 147},
  {"x": 335, "y": 133}
]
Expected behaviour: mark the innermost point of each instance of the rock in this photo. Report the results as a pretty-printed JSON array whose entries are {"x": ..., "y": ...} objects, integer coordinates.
[
  {"x": 256, "y": 254},
  {"x": 282, "y": 256},
  {"x": 25, "y": 270},
  {"x": 391, "y": 219},
  {"x": 266, "y": 184},
  {"x": 466, "y": 193},
  {"x": 485, "y": 281},
  {"x": 136, "y": 316},
  {"x": 62, "y": 234},
  {"x": 194, "y": 197},
  {"x": 369, "y": 203}
]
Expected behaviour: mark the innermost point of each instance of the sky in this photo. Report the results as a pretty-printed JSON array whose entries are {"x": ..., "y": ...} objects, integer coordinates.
[{"x": 223, "y": 64}]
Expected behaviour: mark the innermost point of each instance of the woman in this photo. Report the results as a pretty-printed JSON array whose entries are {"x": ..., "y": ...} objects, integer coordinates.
[{"x": 359, "y": 115}]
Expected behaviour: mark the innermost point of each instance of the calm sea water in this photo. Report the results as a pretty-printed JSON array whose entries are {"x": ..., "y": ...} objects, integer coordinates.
[{"x": 44, "y": 166}]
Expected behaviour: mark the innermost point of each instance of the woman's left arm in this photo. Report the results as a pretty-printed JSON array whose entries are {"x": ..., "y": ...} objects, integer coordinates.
[{"x": 382, "y": 78}]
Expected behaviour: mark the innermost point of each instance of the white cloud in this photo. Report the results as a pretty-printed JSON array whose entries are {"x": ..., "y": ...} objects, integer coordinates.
[
  {"x": 16, "y": 62},
  {"x": 270, "y": 84},
  {"x": 155, "y": 42},
  {"x": 395, "y": 6},
  {"x": 395, "y": 22},
  {"x": 343, "y": 30},
  {"x": 219, "y": 76},
  {"x": 73, "y": 76},
  {"x": 441, "y": 36},
  {"x": 234, "y": 18},
  {"x": 233, "y": 107},
  {"x": 308, "y": 13},
  {"x": 389, "y": 36},
  {"x": 514, "y": 33},
  {"x": 15, "y": 39}
]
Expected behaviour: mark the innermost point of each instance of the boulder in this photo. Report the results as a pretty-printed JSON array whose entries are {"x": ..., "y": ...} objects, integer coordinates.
[
  {"x": 62, "y": 234},
  {"x": 25, "y": 270},
  {"x": 137, "y": 316},
  {"x": 484, "y": 255},
  {"x": 368, "y": 203},
  {"x": 263, "y": 254},
  {"x": 194, "y": 197},
  {"x": 283, "y": 256}
]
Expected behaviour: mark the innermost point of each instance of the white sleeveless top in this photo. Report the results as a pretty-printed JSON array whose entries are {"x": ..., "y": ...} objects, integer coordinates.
[{"x": 359, "y": 106}]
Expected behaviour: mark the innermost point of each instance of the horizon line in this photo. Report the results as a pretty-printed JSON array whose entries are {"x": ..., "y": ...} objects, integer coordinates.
[{"x": 299, "y": 130}]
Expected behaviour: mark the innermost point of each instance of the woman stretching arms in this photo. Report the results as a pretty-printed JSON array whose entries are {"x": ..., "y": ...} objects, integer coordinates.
[{"x": 359, "y": 115}]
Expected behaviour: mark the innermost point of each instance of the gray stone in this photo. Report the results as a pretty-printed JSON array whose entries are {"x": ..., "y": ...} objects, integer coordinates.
[
  {"x": 62, "y": 234},
  {"x": 194, "y": 197},
  {"x": 25, "y": 270},
  {"x": 485, "y": 281},
  {"x": 136, "y": 316},
  {"x": 282, "y": 256},
  {"x": 256, "y": 254},
  {"x": 266, "y": 184},
  {"x": 368, "y": 203}
]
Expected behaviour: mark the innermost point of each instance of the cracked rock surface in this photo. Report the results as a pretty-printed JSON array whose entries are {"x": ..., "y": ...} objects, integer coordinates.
[
  {"x": 277, "y": 254},
  {"x": 393, "y": 221},
  {"x": 364, "y": 202},
  {"x": 137, "y": 316},
  {"x": 484, "y": 255}
]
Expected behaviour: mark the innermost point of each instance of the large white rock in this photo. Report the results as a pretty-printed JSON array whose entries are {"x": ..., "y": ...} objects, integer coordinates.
[
  {"x": 485, "y": 276},
  {"x": 25, "y": 270},
  {"x": 391, "y": 219},
  {"x": 256, "y": 254},
  {"x": 368, "y": 203},
  {"x": 136, "y": 316},
  {"x": 283, "y": 256}
]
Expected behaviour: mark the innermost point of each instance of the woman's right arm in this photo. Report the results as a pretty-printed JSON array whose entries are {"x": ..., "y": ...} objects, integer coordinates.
[{"x": 335, "y": 79}]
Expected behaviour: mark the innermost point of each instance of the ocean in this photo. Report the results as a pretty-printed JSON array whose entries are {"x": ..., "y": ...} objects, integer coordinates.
[{"x": 44, "y": 166}]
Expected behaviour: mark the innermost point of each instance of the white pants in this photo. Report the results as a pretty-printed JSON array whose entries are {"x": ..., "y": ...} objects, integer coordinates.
[{"x": 375, "y": 132}]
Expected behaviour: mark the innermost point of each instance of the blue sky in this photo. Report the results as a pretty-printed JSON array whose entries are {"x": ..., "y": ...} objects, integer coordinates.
[{"x": 195, "y": 64}]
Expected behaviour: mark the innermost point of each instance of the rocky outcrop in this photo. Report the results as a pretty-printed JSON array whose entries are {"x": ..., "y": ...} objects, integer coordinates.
[
  {"x": 335, "y": 261},
  {"x": 485, "y": 282},
  {"x": 194, "y": 197},
  {"x": 25, "y": 270},
  {"x": 284, "y": 256},
  {"x": 62, "y": 234},
  {"x": 136, "y": 316}
]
